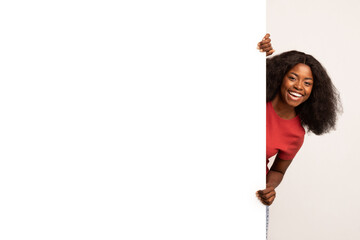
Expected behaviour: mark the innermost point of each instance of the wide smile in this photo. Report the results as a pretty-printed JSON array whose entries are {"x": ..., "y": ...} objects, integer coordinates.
[{"x": 295, "y": 96}]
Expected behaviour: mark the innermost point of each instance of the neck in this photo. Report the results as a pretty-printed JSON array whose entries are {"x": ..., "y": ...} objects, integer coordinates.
[{"x": 282, "y": 109}]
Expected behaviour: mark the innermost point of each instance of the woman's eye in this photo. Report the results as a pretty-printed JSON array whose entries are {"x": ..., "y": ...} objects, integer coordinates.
[
  {"x": 307, "y": 84},
  {"x": 292, "y": 78}
]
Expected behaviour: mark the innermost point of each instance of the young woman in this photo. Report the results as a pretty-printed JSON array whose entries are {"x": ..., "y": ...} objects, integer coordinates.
[{"x": 299, "y": 96}]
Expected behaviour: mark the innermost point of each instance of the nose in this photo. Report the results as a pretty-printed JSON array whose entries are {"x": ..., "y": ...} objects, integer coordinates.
[{"x": 297, "y": 85}]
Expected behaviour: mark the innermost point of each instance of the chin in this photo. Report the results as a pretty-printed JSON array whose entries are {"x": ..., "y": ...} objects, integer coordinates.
[{"x": 294, "y": 104}]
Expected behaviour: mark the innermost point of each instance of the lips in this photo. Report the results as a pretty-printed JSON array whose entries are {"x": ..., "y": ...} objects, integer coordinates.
[{"x": 295, "y": 95}]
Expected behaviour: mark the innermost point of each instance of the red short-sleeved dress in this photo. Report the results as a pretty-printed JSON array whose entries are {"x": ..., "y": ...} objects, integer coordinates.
[{"x": 283, "y": 137}]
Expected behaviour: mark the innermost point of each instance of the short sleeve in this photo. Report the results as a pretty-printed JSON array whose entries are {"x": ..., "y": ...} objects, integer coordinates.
[{"x": 291, "y": 149}]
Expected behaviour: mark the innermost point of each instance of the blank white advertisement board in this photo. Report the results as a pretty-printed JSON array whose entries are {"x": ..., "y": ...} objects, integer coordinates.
[{"x": 132, "y": 120}]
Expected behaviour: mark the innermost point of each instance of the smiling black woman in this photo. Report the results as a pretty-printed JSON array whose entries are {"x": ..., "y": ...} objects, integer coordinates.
[{"x": 299, "y": 95}]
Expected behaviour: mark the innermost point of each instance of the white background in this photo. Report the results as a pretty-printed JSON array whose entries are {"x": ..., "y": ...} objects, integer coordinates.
[
  {"x": 319, "y": 196},
  {"x": 131, "y": 120}
]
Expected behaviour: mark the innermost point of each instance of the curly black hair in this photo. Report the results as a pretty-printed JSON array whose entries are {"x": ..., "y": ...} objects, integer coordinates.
[{"x": 319, "y": 112}]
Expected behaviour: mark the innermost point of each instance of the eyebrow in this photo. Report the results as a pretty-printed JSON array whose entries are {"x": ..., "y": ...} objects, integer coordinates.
[{"x": 298, "y": 76}]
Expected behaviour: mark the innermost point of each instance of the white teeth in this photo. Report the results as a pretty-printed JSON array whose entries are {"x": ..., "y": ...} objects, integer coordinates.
[{"x": 295, "y": 94}]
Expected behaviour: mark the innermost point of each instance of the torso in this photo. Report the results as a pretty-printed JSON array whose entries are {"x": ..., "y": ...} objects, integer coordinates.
[{"x": 283, "y": 136}]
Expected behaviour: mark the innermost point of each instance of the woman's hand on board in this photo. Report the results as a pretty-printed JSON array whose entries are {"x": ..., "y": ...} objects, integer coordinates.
[
  {"x": 265, "y": 45},
  {"x": 267, "y": 195}
]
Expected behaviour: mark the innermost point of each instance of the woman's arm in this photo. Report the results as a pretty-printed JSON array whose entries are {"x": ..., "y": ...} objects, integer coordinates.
[
  {"x": 265, "y": 45},
  {"x": 273, "y": 179}
]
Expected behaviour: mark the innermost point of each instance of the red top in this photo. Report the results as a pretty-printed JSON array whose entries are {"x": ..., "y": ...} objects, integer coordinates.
[{"x": 283, "y": 137}]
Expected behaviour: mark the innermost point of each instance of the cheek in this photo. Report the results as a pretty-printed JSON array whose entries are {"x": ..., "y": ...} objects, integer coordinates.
[
  {"x": 286, "y": 83},
  {"x": 309, "y": 90},
  {"x": 283, "y": 91},
  {"x": 308, "y": 93},
  {"x": 285, "y": 87}
]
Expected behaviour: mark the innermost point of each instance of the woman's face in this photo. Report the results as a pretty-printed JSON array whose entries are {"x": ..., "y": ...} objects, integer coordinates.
[{"x": 297, "y": 85}]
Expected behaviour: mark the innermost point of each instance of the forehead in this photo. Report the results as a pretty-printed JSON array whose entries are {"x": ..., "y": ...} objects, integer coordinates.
[{"x": 302, "y": 70}]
